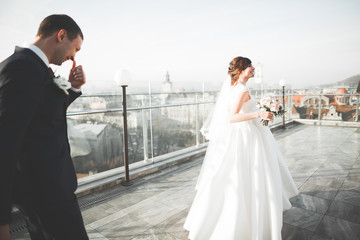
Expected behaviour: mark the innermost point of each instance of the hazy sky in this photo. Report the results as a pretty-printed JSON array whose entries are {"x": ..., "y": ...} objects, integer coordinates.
[{"x": 304, "y": 42}]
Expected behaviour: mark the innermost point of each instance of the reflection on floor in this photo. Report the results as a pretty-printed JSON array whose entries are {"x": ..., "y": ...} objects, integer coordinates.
[{"x": 324, "y": 162}]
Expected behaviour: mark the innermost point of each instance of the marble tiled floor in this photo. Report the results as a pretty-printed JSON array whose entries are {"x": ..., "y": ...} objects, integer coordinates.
[{"x": 324, "y": 162}]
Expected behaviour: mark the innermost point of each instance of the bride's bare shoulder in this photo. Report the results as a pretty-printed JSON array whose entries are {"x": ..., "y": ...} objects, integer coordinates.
[{"x": 240, "y": 88}]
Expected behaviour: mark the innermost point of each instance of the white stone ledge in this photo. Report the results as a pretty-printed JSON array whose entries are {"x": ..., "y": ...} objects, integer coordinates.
[{"x": 328, "y": 123}]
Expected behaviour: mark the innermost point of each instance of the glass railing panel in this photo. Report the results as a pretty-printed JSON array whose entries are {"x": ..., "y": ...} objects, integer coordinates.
[
  {"x": 173, "y": 128},
  {"x": 96, "y": 142},
  {"x": 138, "y": 133}
]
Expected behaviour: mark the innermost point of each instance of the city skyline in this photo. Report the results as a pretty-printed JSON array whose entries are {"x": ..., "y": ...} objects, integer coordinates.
[{"x": 304, "y": 42}]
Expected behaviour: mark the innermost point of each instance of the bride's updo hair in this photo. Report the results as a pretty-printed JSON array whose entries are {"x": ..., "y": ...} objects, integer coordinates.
[{"x": 238, "y": 63}]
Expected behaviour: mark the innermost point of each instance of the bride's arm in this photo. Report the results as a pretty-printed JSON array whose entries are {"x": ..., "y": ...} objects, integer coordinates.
[{"x": 236, "y": 116}]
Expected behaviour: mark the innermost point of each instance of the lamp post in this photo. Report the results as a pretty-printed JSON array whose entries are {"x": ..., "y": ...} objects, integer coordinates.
[
  {"x": 357, "y": 103},
  {"x": 123, "y": 78},
  {"x": 282, "y": 83}
]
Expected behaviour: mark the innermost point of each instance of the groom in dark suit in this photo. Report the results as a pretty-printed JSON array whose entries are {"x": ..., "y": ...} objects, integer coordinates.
[{"x": 36, "y": 171}]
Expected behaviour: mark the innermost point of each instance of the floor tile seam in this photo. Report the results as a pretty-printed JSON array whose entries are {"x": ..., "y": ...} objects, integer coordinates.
[
  {"x": 313, "y": 210},
  {"x": 174, "y": 192},
  {"x": 335, "y": 218},
  {"x": 309, "y": 210},
  {"x": 342, "y": 183},
  {"x": 165, "y": 179},
  {"x": 312, "y": 174},
  {"x": 345, "y": 201},
  {"x": 108, "y": 196},
  {"x": 106, "y": 217},
  {"x": 357, "y": 159},
  {"x": 297, "y": 227},
  {"x": 340, "y": 179},
  {"x": 349, "y": 136},
  {"x": 160, "y": 203},
  {"x": 152, "y": 226},
  {"x": 321, "y": 197},
  {"x": 312, "y": 235},
  {"x": 182, "y": 211},
  {"x": 345, "y": 153},
  {"x": 93, "y": 229},
  {"x": 315, "y": 196},
  {"x": 176, "y": 171},
  {"x": 341, "y": 218},
  {"x": 319, "y": 223},
  {"x": 147, "y": 225},
  {"x": 173, "y": 207},
  {"x": 173, "y": 236},
  {"x": 332, "y": 200},
  {"x": 131, "y": 206},
  {"x": 304, "y": 183},
  {"x": 321, "y": 235}
]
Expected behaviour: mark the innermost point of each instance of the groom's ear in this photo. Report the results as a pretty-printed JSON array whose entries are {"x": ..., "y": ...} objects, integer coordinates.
[{"x": 61, "y": 35}]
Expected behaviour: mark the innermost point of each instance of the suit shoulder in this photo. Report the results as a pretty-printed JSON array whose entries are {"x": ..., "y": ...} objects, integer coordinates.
[
  {"x": 22, "y": 66},
  {"x": 19, "y": 59}
]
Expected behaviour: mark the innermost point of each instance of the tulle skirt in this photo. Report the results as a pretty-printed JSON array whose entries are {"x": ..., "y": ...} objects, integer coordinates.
[{"x": 243, "y": 188}]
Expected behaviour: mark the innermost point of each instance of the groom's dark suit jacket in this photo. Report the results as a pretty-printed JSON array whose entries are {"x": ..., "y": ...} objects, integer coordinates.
[{"x": 35, "y": 164}]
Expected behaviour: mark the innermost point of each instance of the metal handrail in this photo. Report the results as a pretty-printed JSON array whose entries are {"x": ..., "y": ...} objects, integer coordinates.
[
  {"x": 110, "y": 110},
  {"x": 144, "y": 93}
]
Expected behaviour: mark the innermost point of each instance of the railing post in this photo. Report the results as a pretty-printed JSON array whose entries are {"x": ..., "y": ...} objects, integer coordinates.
[
  {"x": 289, "y": 102},
  {"x": 319, "y": 114},
  {"x": 203, "y": 109},
  {"x": 357, "y": 108},
  {"x": 197, "y": 130},
  {"x": 283, "y": 100},
  {"x": 145, "y": 131},
  {"x": 150, "y": 123}
]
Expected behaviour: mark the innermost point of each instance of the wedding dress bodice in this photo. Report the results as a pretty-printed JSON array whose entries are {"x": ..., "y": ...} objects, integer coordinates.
[{"x": 248, "y": 106}]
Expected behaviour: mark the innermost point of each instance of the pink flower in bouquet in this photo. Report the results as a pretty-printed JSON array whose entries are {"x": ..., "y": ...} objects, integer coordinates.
[
  {"x": 265, "y": 101},
  {"x": 270, "y": 105},
  {"x": 274, "y": 107}
]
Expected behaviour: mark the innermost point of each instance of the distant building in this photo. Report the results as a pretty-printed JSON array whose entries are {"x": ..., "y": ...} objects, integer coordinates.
[
  {"x": 167, "y": 84},
  {"x": 341, "y": 100},
  {"x": 332, "y": 114},
  {"x": 335, "y": 105}
]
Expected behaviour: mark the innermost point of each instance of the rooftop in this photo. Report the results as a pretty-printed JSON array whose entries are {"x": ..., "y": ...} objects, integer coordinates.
[{"x": 324, "y": 162}]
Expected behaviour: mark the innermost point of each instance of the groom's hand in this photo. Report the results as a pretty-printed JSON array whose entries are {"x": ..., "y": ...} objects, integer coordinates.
[
  {"x": 77, "y": 76},
  {"x": 4, "y": 232}
]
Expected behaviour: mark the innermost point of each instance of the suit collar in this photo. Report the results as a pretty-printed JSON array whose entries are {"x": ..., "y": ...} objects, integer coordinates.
[
  {"x": 39, "y": 53},
  {"x": 29, "y": 52}
]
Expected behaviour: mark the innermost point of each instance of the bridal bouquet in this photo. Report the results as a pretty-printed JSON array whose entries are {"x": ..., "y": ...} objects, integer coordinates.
[{"x": 270, "y": 104}]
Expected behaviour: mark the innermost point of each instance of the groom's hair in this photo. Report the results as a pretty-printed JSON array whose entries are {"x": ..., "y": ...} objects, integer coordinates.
[{"x": 55, "y": 23}]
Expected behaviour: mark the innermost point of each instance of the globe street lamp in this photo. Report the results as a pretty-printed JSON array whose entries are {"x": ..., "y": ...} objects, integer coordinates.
[
  {"x": 282, "y": 83},
  {"x": 123, "y": 79}
]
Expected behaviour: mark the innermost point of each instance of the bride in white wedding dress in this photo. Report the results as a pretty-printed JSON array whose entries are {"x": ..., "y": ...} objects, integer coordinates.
[{"x": 244, "y": 185}]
